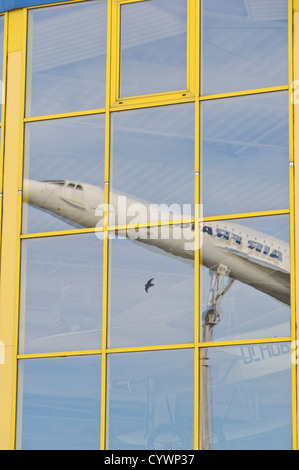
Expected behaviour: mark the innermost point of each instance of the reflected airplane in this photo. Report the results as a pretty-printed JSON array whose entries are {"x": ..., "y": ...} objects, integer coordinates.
[{"x": 228, "y": 249}]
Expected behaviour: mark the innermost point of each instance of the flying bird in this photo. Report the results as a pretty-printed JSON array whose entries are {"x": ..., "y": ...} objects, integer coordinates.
[{"x": 149, "y": 284}]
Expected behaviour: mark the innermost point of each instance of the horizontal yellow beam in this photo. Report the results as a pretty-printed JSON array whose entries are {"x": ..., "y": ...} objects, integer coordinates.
[
  {"x": 64, "y": 115},
  {"x": 200, "y": 219},
  {"x": 245, "y": 215},
  {"x": 61, "y": 233},
  {"x": 149, "y": 348},
  {"x": 244, "y": 93},
  {"x": 296, "y": 5},
  {"x": 59, "y": 354},
  {"x": 150, "y": 224},
  {"x": 154, "y": 100},
  {"x": 215, "y": 344},
  {"x": 244, "y": 342},
  {"x": 123, "y": 2},
  {"x": 116, "y": 228},
  {"x": 163, "y": 347}
]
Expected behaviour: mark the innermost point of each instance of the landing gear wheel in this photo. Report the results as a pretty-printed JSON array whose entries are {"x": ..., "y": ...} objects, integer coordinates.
[{"x": 165, "y": 437}]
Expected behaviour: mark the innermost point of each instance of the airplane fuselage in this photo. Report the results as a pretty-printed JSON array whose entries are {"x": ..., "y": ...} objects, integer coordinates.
[{"x": 251, "y": 257}]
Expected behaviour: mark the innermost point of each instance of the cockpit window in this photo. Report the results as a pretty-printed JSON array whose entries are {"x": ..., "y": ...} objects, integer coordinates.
[
  {"x": 57, "y": 182},
  {"x": 63, "y": 182}
]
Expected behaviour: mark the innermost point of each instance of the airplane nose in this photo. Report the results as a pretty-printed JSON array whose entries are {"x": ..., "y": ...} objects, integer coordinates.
[{"x": 35, "y": 192}]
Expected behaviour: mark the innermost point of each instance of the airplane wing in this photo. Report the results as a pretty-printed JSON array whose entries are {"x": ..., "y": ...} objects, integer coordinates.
[{"x": 257, "y": 273}]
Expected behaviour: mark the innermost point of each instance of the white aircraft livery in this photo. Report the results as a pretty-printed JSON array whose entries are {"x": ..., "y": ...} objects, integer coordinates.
[{"x": 246, "y": 255}]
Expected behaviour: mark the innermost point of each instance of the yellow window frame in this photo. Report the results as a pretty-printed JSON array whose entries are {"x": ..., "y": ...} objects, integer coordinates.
[
  {"x": 118, "y": 102},
  {"x": 13, "y": 131}
]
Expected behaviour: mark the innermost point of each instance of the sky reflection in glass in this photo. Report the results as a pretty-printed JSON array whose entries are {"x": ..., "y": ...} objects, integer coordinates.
[
  {"x": 59, "y": 402},
  {"x": 61, "y": 294},
  {"x": 153, "y": 55},
  {"x": 150, "y": 403},
  {"x": 71, "y": 74},
  {"x": 164, "y": 314},
  {"x": 249, "y": 390},
  {"x": 153, "y": 156},
  {"x": 245, "y": 154},
  {"x": 244, "y": 45}
]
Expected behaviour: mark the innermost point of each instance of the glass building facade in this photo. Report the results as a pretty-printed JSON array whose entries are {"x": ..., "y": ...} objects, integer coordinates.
[{"x": 148, "y": 225}]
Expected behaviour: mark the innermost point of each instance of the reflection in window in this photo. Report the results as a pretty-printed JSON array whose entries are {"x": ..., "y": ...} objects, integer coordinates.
[
  {"x": 58, "y": 155},
  {"x": 58, "y": 404},
  {"x": 70, "y": 75},
  {"x": 249, "y": 260},
  {"x": 153, "y": 156},
  {"x": 151, "y": 400},
  {"x": 247, "y": 390},
  {"x": 244, "y": 45},
  {"x": 245, "y": 154},
  {"x": 61, "y": 294},
  {"x": 58, "y": 183},
  {"x": 153, "y": 47},
  {"x": 151, "y": 288}
]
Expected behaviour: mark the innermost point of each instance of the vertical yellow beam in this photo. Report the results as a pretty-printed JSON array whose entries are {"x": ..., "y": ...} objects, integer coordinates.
[
  {"x": 292, "y": 223},
  {"x": 193, "y": 78},
  {"x": 192, "y": 49},
  {"x": 12, "y": 200},
  {"x": 115, "y": 50},
  {"x": 3, "y": 98},
  {"x": 109, "y": 73},
  {"x": 295, "y": 179},
  {"x": 104, "y": 326},
  {"x": 3, "y": 121}
]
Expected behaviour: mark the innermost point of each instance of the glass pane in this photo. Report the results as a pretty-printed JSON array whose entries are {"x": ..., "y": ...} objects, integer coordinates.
[
  {"x": 151, "y": 400},
  {"x": 61, "y": 294},
  {"x": 245, "y": 45},
  {"x": 153, "y": 56},
  {"x": 245, "y": 154},
  {"x": 254, "y": 253},
  {"x": 62, "y": 158},
  {"x": 152, "y": 287},
  {"x": 248, "y": 397},
  {"x": 58, "y": 406},
  {"x": 153, "y": 157},
  {"x": 66, "y": 62}
]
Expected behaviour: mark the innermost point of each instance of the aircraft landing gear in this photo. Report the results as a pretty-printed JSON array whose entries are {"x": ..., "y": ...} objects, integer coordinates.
[
  {"x": 218, "y": 288},
  {"x": 220, "y": 285}
]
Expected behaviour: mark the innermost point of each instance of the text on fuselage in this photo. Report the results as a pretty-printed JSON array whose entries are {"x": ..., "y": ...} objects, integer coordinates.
[{"x": 238, "y": 239}]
